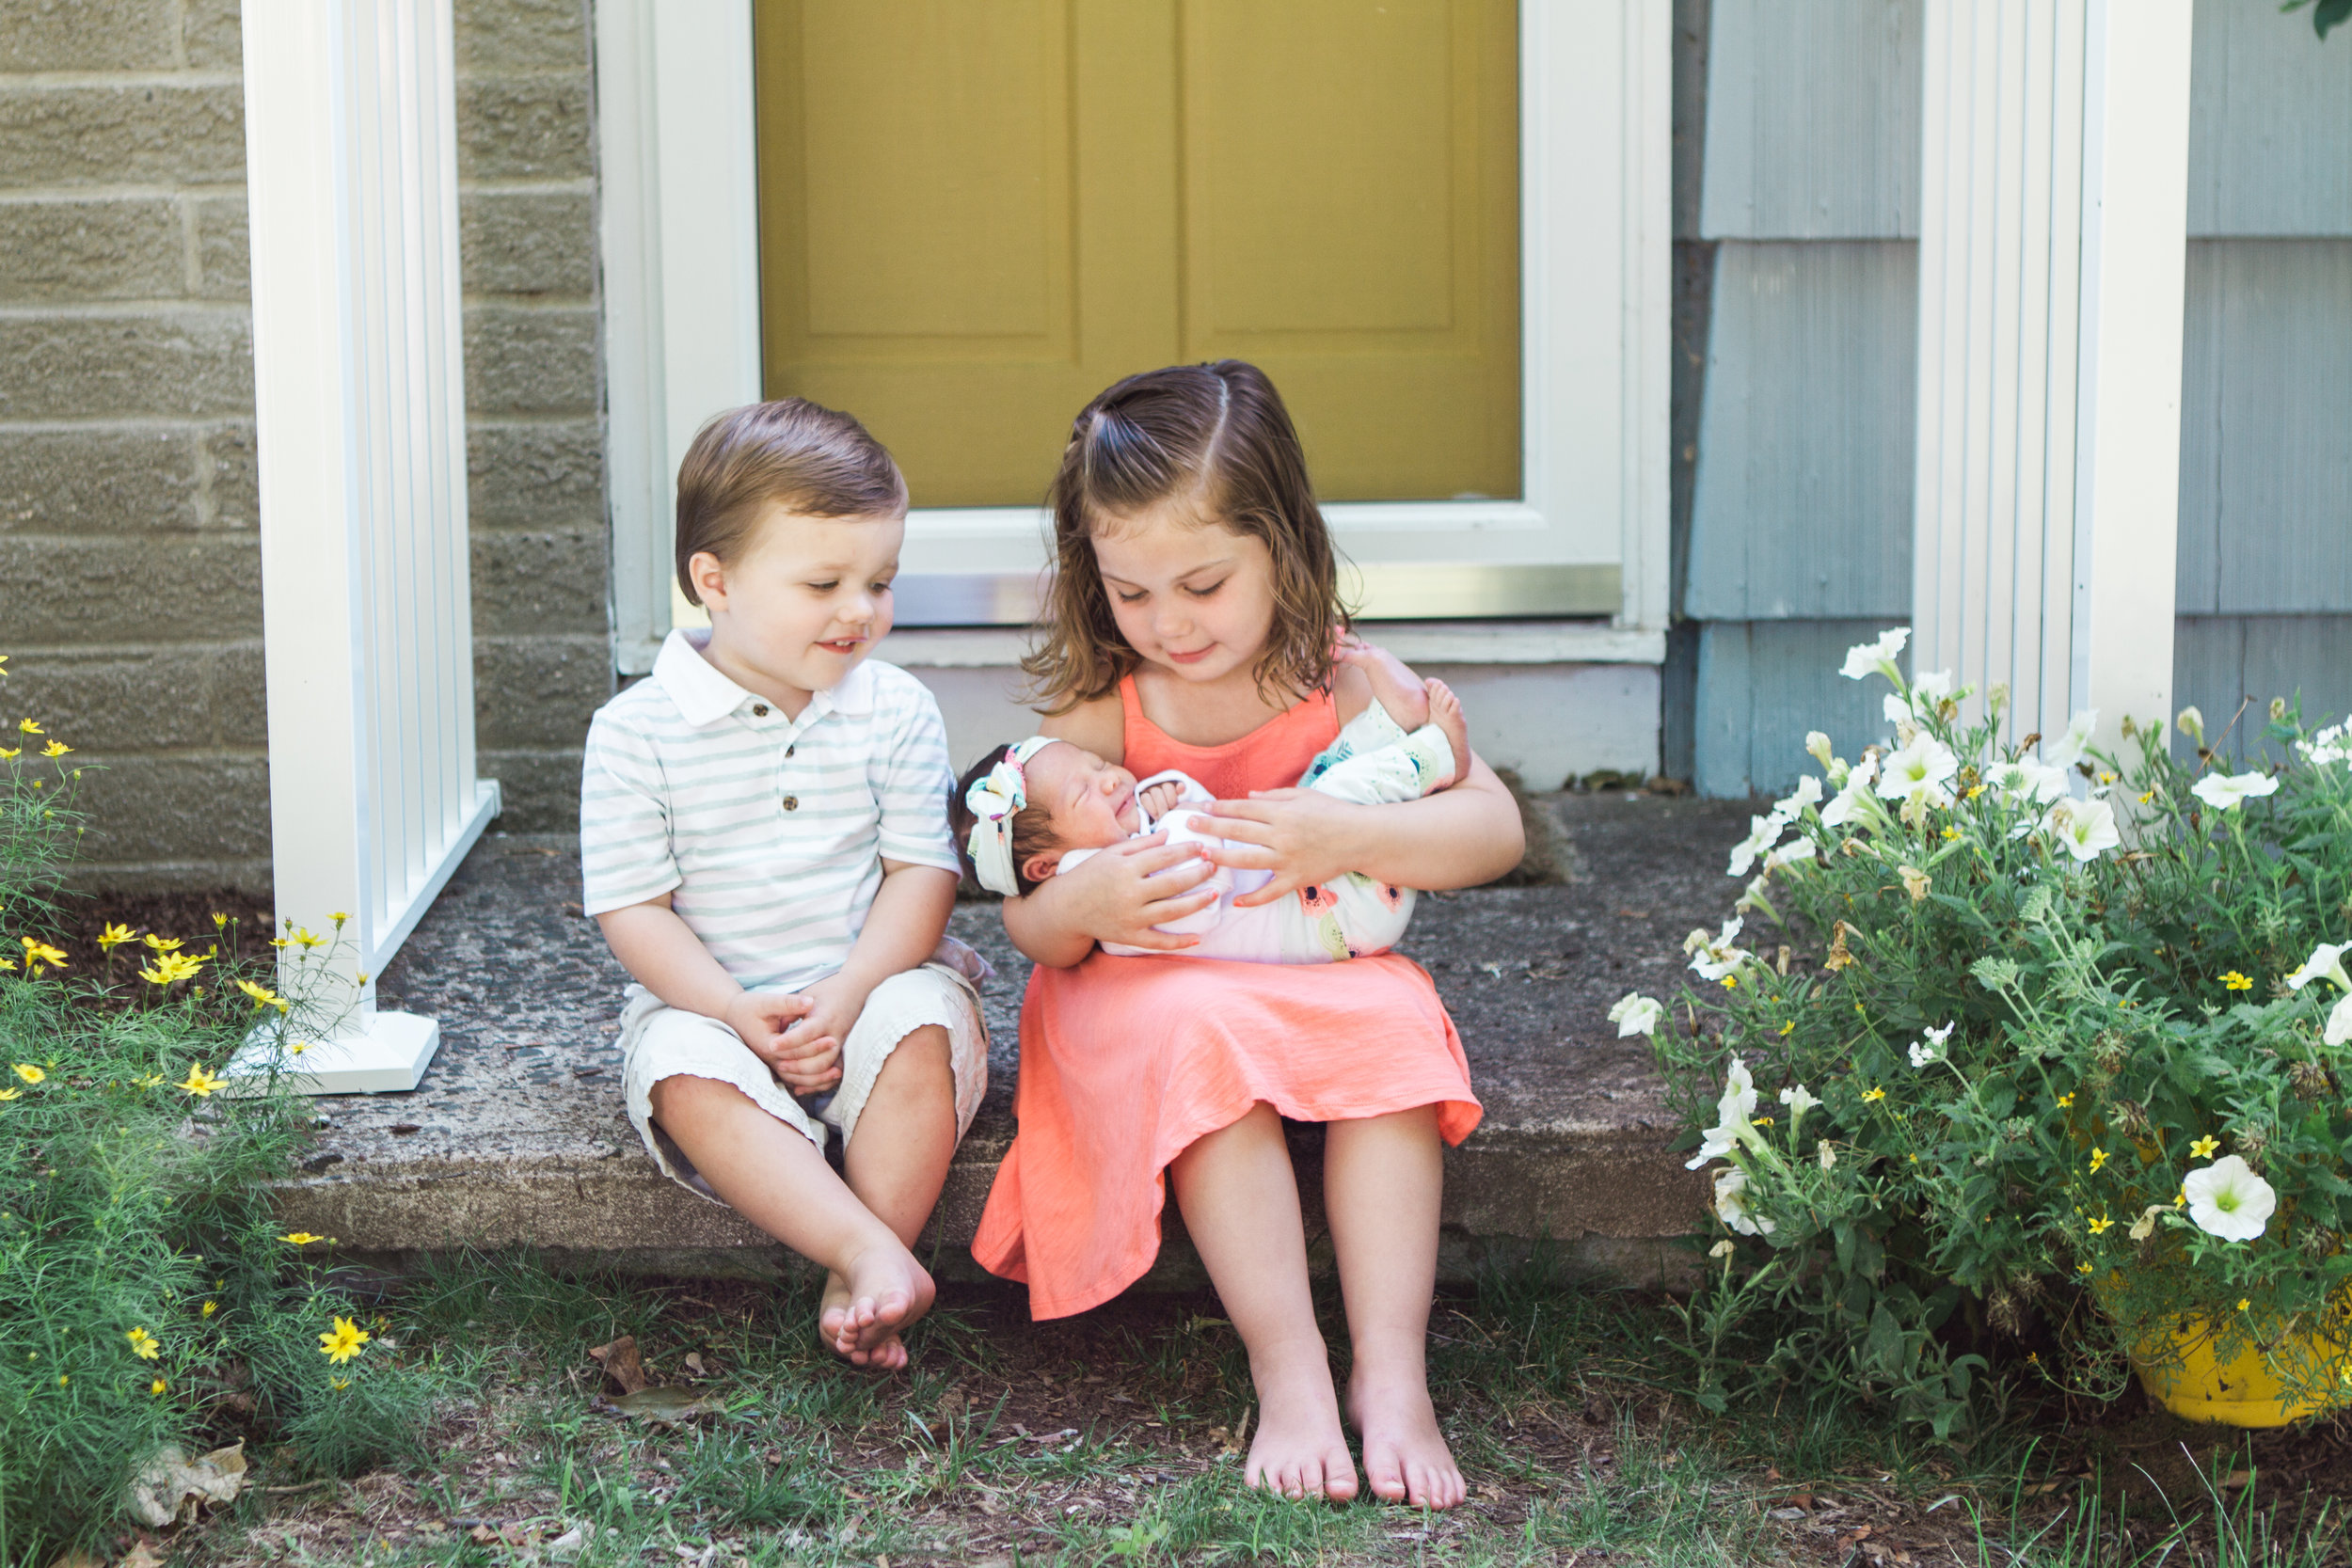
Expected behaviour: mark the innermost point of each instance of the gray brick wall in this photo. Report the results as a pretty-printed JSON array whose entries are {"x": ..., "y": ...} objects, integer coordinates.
[
  {"x": 526, "y": 165},
  {"x": 129, "y": 591}
]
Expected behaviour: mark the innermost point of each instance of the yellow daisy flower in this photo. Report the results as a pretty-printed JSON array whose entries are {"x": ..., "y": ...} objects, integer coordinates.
[
  {"x": 143, "y": 1344},
  {"x": 1873, "y": 1096},
  {"x": 341, "y": 1344},
  {"x": 2203, "y": 1147},
  {"x": 30, "y": 1073},
  {"x": 2098, "y": 1158},
  {"x": 199, "y": 1083},
  {"x": 2237, "y": 982},
  {"x": 2101, "y": 1225},
  {"x": 113, "y": 937},
  {"x": 300, "y": 1238},
  {"x": 55, "y": 748}
]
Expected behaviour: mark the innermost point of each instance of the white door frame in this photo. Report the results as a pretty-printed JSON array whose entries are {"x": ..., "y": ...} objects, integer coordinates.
[{"x": 681, "y": 299}]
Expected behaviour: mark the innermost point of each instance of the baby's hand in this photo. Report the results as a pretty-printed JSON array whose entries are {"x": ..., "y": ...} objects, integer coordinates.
[{"x": 1159, "y": 798}]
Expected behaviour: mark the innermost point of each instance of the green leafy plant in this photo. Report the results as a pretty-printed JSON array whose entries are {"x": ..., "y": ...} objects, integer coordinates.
[
  {"x": 2045, "y": 1061},
  {"x": 148, "y": 1300}
]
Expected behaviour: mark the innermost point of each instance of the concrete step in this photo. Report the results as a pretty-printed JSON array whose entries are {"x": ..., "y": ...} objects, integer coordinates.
[{"x": 516, "y": 1135}]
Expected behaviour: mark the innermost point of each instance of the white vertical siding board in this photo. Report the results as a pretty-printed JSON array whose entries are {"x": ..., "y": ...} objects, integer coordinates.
[
  {"x": 1989, "y": 623},
  {"x": 1813, "y": 119},
  {"x": 2284, "y": 520},
  {"x": 1802, "y": 498},
  {"x": 2270, "y": 150}
]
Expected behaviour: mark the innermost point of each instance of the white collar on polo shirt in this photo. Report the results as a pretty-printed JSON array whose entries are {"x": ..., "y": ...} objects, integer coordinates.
[{"x": 705, "y": 696}]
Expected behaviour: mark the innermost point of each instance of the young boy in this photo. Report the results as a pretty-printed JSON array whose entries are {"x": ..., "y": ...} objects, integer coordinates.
[{"x": 764, "y": 841}]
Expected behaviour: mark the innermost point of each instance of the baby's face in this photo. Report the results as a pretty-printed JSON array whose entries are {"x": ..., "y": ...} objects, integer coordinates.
[{"x": 1090, "y": 804}]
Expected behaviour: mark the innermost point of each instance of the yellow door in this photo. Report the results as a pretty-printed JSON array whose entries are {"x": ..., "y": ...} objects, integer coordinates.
[{"x": 977, "y": 214}]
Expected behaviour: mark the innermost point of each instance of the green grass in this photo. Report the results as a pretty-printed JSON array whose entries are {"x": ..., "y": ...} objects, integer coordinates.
[{"x": 1108, "y": 1438}]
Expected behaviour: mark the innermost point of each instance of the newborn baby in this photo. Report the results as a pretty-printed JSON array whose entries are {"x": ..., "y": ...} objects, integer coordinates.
[{"x": 1039, "y": 807}]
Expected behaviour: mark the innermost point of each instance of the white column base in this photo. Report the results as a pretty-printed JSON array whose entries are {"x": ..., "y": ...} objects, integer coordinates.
[{"x": 389, "y": 1054}]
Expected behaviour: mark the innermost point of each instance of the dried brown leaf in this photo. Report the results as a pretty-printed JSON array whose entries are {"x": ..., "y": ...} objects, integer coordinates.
[
  {"x": 618, "y": 1357},
  {"x": 172, "y": 1486}
]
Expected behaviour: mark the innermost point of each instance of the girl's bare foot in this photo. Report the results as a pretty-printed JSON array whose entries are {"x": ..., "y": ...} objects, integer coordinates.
[
  {"x": 1394, "y": 686},
  {"x": 1406, "y": 1457},
  {"x": 1301, "y": 1450},
  {"x": 1445, "y": 711},
  {"x": 879, "y": 1292}
]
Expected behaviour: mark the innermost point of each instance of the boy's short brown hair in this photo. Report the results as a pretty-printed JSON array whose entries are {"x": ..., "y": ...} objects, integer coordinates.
[{"x": 791, "y": 453}]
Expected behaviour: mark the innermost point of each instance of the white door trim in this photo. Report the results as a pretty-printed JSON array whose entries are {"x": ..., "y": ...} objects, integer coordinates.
[{"x": 681, "y": 290}]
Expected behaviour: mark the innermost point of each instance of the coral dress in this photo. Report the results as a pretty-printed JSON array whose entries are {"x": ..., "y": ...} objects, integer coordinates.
[{"x": 1125, "y": 1061}]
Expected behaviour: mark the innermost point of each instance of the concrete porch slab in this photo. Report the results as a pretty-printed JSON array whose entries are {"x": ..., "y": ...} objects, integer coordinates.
[{"x": 516, "y": 1134}]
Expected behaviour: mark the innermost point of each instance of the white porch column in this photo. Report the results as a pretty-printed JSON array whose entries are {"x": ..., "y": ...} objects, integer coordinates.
[
  {"x": 351, "y": 171},
  {"x": 2052, "y": 245}
]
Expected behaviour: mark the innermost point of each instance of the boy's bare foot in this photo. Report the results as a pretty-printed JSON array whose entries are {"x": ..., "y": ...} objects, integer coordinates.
[
  {"x": 1301, "y": 1450},
  {"x": 1406, "y": 1457},
  {"x": 1393, "y": 684},
  {"x": 1445, "y": 711},
  {"x": 878, "y": 1293}
]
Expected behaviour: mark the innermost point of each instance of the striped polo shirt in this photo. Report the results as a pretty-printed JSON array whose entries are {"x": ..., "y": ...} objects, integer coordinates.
[{"x": 767, "y": 832}]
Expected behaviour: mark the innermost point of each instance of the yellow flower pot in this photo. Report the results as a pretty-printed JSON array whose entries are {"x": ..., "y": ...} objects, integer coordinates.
[{"x": 2197, "y": 1386}]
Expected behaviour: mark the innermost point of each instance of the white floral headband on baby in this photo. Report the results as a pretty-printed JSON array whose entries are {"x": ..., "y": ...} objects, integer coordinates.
[{"x": 994, "y": 800}]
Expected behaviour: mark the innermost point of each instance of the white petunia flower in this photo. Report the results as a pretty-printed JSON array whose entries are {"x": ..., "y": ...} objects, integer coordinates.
[
  {"x": 2029, "y": 779},
  {"x": 2191, "y": 723},
  {"x": 1763, "y": 833},
  {"x": 1636, "y": 1014},
  {"x": 2229, "y": 1200},
  {"x": 1715, "y": 956},
  {"x": 2223, "y": 791},
  {"x": 1735, "y": 1116},
  {"x": 2086, "y": 828},
  {"x": 2339, "y": 1030},
  {"x": 2076, "y": 741},
  {"x": 1926, "y": 763},
  {"x": 2328, "y": 745},
  {"x": 1799, "y": 1100},
  {"x": 1789, "y": 854},
  {"x": 1850, "y": 799},
  {"x": 1867, "y": 658},
  {"x": 2326, "y": 963},
  {"x": 1731, "y": 1204},
  {"x": 1817, "y": 746},
  {"x": 1807, "y": 793}
]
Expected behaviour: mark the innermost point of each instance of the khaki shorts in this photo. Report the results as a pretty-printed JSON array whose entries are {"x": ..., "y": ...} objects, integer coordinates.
[{"x": 659, "y": 1041}]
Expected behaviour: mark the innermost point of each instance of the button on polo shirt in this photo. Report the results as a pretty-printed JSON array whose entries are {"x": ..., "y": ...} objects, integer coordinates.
[{"x": 767, "y": 832}]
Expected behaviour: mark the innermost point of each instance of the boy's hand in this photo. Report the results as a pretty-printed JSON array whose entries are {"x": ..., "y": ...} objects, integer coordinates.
[
  {"x": 766, "y": 1022},
  {"x": 808, "y": 1056},
  {"x": 1123, "y": 893}
]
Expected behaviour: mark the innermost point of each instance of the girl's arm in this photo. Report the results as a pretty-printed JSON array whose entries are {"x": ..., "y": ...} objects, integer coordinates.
[
  {"x": 1459, "y": 837},
  {"x": 1118, "y": 894}
]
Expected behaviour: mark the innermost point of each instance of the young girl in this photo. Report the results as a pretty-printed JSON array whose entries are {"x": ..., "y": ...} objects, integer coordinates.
[{"x": 1194, "y": 624}]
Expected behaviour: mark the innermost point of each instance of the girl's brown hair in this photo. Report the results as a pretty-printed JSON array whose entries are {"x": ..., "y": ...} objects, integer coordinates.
[
  {"x": 1218, "y": 435},
  {"x": 808, "y": 459}
]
